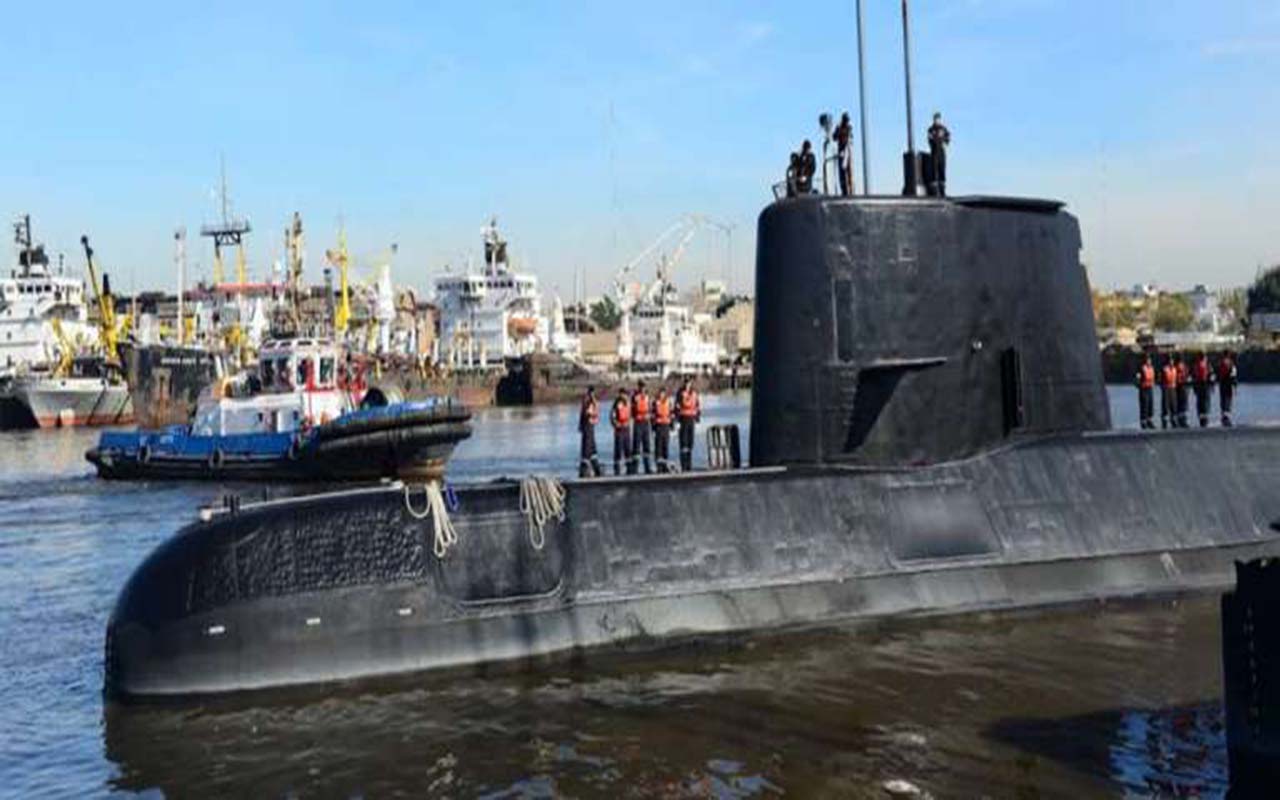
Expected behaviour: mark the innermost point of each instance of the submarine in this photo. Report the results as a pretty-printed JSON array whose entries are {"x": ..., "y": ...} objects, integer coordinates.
[{"x": 930, "y": 434}]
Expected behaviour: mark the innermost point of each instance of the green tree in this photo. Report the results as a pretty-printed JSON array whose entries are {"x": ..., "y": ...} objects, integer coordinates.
[
  {"x": 1264, "y": 294},
  {"x": 606, "y": 314},
  {"x": 1173, "y": 313}
]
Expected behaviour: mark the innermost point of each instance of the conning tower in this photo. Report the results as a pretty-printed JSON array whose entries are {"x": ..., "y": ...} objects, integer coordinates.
[{"x": 900, "y": 331}]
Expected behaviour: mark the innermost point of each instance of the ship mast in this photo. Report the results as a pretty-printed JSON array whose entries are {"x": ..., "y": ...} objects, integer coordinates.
[
  {"x": 180, "y": 262},
  {"x": 229, "y": 231}
]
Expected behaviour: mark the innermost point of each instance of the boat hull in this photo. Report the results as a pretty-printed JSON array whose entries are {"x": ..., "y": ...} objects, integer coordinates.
[
  {"x": 69, "y": 402},
  {"x": 412, "y": 442},
  {"x": 346, "y": 586}
]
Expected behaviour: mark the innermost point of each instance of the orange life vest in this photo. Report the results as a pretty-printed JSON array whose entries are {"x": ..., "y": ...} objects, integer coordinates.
[
  {"x": 1169, "y": 376},
  {"x": 1201, "y": 370},
  {"x": 1184, "y": 376},
  {"x": 621, "y": 414},
  {"x": 640, "y": 401},
  {"x": 662, "y": 410},
  {"x": 1147, "y": 376},
  {"x": 1226, "y": 370},
  {"x": 688, "y": 404}
]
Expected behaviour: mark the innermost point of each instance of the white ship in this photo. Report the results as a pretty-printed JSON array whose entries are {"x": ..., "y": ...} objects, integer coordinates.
[
  {"x": 30, "y": 299},
  {"x": 84, "y": 392},
  {"x": 662, "y": 336},
  {"x": 490, "y": 316}
]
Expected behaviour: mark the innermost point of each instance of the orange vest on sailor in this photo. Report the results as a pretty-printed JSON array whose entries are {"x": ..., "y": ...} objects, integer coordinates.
[
  {"x": 1147, "y": 376},
  {"x": 640, "y": 401},
  {"x": 662, "y": 411},
  {"x": 689, "y": 404},
  {"x": 621, "y": 414},
  {"x": 1184, "y": 376},
  {"x": 1169, "y": 376},
  {"x": 1201, "y": 370}
]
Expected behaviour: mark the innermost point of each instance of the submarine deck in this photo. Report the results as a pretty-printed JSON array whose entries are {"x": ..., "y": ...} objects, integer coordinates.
[{"x": 345, "y": 585}]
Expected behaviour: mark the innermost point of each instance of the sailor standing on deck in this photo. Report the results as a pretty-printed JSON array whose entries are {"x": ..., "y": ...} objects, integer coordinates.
[
  {"x": 1184, "y": 394},
  {"x": 1226, "y": 385},
  {"x": 620, "y": 417},
  {"x": 1202, "y": 380},
  {"x": 939, "y": 141},
  {"x": 844, "y": 155},
  {"x": 641, "y": 439},
  {"x": 588, "y": 416},
  {"x": 1168, "y": 395},
  {"x": 662, "y": 416},
  {"x": 689, "y": 410},
  {"x": 1145, "y": 380}
]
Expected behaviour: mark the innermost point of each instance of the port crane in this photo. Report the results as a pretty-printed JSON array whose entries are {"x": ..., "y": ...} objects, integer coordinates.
[
  {"x": 108, "y": 329},
  {"x": 682, "y": 232}
]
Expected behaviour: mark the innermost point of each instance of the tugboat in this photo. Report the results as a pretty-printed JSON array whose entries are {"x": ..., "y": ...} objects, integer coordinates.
[
  {"x": 930, "y": 434},
  {"x": 300, "y": 417}
]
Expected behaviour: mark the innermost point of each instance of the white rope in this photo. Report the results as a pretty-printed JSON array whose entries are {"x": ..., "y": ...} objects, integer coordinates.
[
  {"x": 444, "y": 535},
  {"x": 541, "y": 498}
]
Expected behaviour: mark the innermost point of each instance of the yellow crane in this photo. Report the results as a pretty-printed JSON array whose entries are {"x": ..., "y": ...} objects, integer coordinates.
[
  {"x": 66, "y": 350},
  {"x": 340, "y": 259},
  {"x": 108, "y": 330}
]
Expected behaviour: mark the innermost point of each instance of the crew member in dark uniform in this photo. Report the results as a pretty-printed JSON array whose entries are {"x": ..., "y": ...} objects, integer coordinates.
[
  {"x": 662, "y": 417},
  {"x": 1226, "y": 385},
  {"x": 939, "y": 141},
  {"x": 793, "y": 175},
  {"x": 588, "y": 416},
  {"x": 1184, "y": 391},
  {"x": 1145, "y": 380},
  {"x": 641, "y": 444},
  {"x": 689, "y": 410},
  {"x": 1168, "y": 395},
  {"x": 844, "y": 155},
  {"x": 620, "y": 418},
  {"x": 808, "y": 167},
  {"x": 1202, "y": 382}
]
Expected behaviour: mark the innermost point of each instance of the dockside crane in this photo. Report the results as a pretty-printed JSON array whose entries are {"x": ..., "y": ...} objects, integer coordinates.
[
  {"x": 108, "y": 330},
  {"x": 339, "y": 258}
]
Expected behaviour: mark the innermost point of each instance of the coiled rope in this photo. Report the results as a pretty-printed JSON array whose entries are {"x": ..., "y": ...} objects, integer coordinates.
[
  {"x": 541, "y": 499},
  {"x": 442, "y": 527}
]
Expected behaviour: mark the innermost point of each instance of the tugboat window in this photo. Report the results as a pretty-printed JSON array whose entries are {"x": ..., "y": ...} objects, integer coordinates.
[
  {"x": 304, "y": 366},
  {"x": 268, "y": 372},
  {"x": 326, "y": 371}
]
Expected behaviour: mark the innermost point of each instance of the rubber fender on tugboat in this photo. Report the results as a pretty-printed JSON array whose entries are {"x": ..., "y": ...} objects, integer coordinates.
[
  {"x": 216, "y": 458},
  {"x": 144, "y": 454},
  {"x": 295, "y": 448},
  {"x": 378, "y": 396}
]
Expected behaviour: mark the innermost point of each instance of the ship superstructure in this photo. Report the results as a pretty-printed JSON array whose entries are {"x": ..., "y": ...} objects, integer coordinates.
[
  {"x": 489, "y": 316},
  {"x": 31, "y": 298}
]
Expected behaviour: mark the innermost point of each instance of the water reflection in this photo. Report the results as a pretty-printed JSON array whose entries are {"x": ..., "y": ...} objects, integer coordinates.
[{"x": 940, "y": 704}]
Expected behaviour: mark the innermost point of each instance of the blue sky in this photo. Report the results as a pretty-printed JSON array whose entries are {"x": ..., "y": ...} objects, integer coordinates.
[{"x": 588, "y": 127}]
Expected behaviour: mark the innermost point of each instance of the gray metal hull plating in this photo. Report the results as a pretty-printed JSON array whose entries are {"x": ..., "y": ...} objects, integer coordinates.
[{"x": 346, "y": 586}]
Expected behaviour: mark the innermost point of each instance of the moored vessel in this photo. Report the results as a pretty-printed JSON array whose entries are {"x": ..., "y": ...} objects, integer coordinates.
[
  {"x": 930, "y": 434},
  {"x": 302, "y": 415}
]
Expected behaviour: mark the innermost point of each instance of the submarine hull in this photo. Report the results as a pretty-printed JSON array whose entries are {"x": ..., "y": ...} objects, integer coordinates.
[{"x": 257, "y": 599}]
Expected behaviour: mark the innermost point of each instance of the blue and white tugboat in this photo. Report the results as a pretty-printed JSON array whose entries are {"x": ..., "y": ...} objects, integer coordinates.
[{"x": 304, "y": 415}]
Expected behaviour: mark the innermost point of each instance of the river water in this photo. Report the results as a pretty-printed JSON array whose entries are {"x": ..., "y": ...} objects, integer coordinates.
[{"x": 1116, "y": 700}]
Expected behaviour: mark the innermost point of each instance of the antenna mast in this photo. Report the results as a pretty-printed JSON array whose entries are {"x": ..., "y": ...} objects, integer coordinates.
[
  {"x": 912, "y": 171},
  {"x": 862, "y": 105}
]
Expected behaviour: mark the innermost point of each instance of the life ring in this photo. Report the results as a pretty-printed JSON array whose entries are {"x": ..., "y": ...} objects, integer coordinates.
[
  {"x": 144, "y": 454},
  {"x": 216, "y": 458}
]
